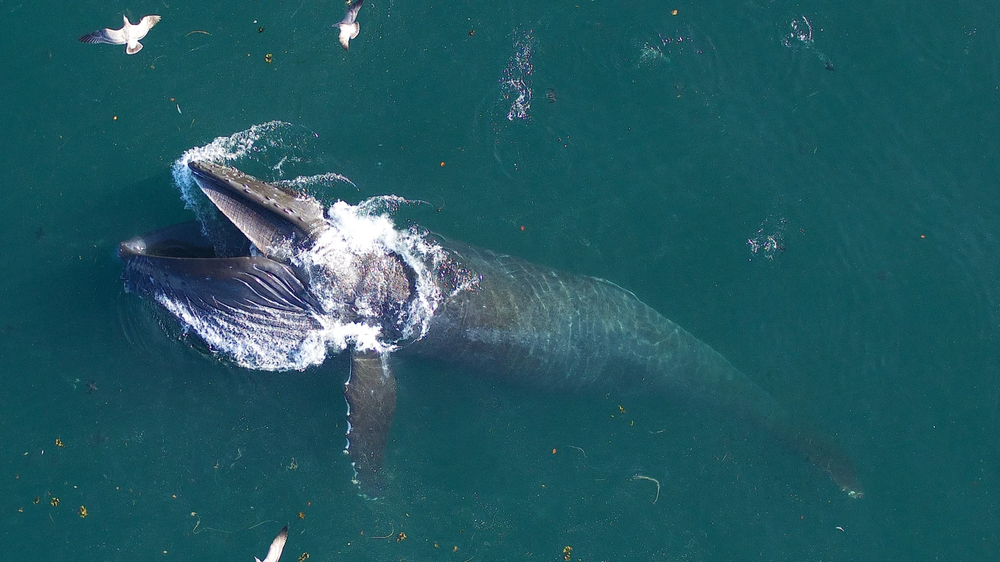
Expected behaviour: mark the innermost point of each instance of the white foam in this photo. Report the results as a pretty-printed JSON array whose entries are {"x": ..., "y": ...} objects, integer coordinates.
[{"x": 354, "y": 234}]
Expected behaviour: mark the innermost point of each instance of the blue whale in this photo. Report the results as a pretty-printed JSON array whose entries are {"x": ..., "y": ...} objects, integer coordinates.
[{"x": 306, "y": 281}]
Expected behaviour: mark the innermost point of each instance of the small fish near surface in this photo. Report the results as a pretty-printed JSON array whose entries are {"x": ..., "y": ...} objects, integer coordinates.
[
  {"x": 129, "y": 35},
  {"x": 308, "y": 281},
  {"x": 349, "y": 27}
]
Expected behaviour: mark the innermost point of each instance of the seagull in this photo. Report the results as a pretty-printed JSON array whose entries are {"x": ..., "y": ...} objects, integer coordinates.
[
  {"x": 127, "y": 35},
  {"x": 348, "y": 27},
  {"x": 277, "y": 545}
]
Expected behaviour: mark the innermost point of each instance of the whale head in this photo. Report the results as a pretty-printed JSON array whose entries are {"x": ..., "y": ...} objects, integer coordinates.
[{"x": 279, "y": 301}]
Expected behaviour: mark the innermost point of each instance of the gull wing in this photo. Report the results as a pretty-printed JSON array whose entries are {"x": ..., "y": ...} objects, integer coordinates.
[
  {"x": 145, "y": 24},
  {"x": 106, "y": 35},
  {"x": 277, "y": 545},
  {"x": 349, "y": 28},
  {"x": 348, "y": 31},
  {"x": 352, "y": 12}
]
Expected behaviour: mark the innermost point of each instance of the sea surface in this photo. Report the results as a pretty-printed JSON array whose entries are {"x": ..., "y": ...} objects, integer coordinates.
[{"x": 809, "y": 187}]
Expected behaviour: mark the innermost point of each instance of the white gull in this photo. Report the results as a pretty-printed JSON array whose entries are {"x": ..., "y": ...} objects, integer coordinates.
[
  {"x": 277, "y": 545},
  {"x": 349, "y": 28},
  {"x": 128, "y": 35}
]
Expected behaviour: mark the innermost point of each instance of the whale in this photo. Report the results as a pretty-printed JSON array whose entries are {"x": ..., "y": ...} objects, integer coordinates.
[{"x": 305, "y": 281}]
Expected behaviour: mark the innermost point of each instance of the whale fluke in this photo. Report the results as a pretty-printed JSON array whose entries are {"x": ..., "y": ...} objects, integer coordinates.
[{"x": 128, "y": 35}]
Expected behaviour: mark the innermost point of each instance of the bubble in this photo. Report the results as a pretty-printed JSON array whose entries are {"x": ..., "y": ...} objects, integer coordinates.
[
  {"x": 516, "y": 81},
  {"x": 769, "y": 240},
  {"x": 800, "y": 34}
]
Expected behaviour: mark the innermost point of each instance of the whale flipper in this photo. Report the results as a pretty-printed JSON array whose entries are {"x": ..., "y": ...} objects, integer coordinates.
[{"x": 371, "y": 401}]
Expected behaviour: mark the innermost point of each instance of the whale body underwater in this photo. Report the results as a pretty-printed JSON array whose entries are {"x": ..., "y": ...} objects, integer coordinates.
[{"x": 308, "y": 281}]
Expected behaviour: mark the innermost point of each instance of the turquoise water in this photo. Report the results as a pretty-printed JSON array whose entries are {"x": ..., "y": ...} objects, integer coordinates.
[{"x": 868, "y": 307}]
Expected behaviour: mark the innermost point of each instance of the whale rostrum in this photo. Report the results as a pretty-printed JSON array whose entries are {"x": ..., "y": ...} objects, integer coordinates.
[{"x": 312, "y": 281}]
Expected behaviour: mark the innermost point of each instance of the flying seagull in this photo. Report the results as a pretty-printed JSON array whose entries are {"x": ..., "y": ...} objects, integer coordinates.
[
  {"x": 277, "y": 545},
  {"x": 128, "y": 35},
  {"x": 348, "y": 27}
]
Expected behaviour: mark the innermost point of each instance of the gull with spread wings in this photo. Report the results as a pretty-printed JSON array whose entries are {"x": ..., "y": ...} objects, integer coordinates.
[
  {"x": 349, "y": 28},
  {"x": 128, "y": 35}
]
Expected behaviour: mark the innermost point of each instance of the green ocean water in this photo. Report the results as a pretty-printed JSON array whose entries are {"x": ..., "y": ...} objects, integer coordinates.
[{"x": 819, "y": 208}]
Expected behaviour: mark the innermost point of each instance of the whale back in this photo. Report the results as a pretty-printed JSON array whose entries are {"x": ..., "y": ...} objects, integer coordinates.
[
  {"x": 551, "y": 329},
  {"x": 564, "y": 330}
]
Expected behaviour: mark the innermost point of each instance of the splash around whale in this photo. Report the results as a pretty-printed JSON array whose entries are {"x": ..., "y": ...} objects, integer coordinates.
[{"x": 294, "y": 282}]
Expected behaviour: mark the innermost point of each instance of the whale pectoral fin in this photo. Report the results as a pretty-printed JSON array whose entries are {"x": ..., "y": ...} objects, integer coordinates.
[{"x": 371, "y": 401}]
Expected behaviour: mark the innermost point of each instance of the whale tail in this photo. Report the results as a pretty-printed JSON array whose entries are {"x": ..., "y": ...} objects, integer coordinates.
[
  {"x": 758, "y": 410},
  {"x": 824, "y": 453},
  {"x": 727, "y": 388},
  {"x": 572, "y": 331}
]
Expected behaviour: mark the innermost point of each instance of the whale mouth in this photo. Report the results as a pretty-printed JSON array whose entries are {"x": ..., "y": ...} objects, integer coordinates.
[
  {"x": 180, "y": 260},
  {"x": 254, "y": 271},
  {"x": 278, "y": 284},
  {"x": 271, "y": 223},
  {"x": 181, "y": 241},
  {"x": 239, "y": 291}
]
